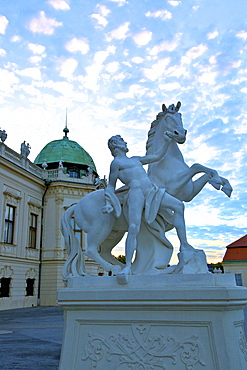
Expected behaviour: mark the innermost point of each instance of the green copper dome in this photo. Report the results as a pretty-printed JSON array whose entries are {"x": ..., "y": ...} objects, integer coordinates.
[{"x": 70, "y": 152}]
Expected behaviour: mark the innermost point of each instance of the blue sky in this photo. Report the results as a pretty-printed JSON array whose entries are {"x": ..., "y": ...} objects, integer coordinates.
[{"x": 112, "y": 63}]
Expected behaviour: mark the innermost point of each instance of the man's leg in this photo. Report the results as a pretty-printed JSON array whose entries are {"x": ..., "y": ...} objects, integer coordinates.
[
  {"x": 177, "y": 207},
  {"x": 135, "y": 208}
]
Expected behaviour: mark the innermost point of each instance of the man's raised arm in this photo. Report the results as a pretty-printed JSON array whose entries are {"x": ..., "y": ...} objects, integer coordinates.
[{"x": 160, "y": 153}]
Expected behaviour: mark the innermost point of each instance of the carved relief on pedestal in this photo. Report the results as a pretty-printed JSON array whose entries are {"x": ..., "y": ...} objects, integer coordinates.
[
  {"x": 243, "y": 344},
  {"x": 142, "y": 349}
]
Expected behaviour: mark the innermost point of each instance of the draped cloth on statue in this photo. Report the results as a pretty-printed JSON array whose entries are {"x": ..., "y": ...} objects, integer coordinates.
[{"x": 153, "y": 248}]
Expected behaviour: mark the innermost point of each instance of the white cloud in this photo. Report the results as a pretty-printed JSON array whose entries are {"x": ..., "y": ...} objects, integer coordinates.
[
  {"x": 120, "y": 2},
  {"x": 137, "y": 60},
  {"x": 174, "y": 2},
  {"x": 112, "y": 67},
  {"x": 143, "y": 38},
  {"x": 31, "y": 90},
  {"x": 212, "y": 35},
  {"x": 196, "y": 51},
  {"x": 163, "y": 14},
  {"x": 68, "y": 67},
  {"x": 93, "y": 71},
  {"x": 176, "y": 71},
  {"x": 64, "y": 87},
  {"x": 208, "y": 78},
  {"x": 119, "y": 33},
  {"x": 15, "y": 38},
  {"x": 120, "y": 77},
  {"x": 242, "y": 35},
  {"x": 157, "y": 69},
  {"x": 60, "y": 4},
  {"x": 213, "y": 59},
  {"x": 36, "y": 49},
  {"x": 166, "y": 45},
  {"x": 44, "y": 25},
  {"x": 33, "y": 73},
  {"x": 35, "y": 59},
  {"x": 80, "y": 45},
  {"x": 3, "y": 24},
  {"x": 7, "y": 80},
  {"x": 101, "y": 16},
  {"x": 102, "y": 21},
  {"x": 134, "y": 90},
  {"x": 170, "y": 86},
  {"x": 2, "y": 53},
  {"x": 237, "y": 64}
]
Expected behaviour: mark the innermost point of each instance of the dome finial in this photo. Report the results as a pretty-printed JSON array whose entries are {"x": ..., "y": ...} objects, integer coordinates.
[{"x": 66, "y": 130}]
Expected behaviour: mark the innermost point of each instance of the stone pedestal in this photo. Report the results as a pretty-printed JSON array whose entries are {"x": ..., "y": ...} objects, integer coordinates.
[{"x": 170, "y": 322}]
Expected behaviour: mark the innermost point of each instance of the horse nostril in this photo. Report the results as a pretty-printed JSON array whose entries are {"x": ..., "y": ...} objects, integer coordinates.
[
  {"x": 175, "y": 132},
  {"x": 185, "y": 131}
]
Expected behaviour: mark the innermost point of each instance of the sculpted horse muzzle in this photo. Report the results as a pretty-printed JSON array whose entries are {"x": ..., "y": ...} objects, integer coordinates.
[{"x": 180, "y": 136}]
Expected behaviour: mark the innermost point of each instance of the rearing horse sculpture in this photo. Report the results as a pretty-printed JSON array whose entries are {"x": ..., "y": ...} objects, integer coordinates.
[
  {"x": 171, "y": 172},
  {"x": 106, "y": 230}
]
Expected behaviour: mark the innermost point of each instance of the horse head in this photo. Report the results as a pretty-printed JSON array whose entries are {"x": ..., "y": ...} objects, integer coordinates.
[{"x": 172, "y": 121}]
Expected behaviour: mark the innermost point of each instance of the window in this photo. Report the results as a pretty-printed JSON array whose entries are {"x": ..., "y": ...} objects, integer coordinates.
[
  {"x": 74, "y": 172},
  {"x": 239, "y": 280},
  {"x": 5, "y": 287},
  {"x": 30, "y": 287},
  {"x": 9, "y": 224},
  {"x": 33, "y": 231}
]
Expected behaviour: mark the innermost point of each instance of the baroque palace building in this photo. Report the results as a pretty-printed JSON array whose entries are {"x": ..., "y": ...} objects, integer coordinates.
[{"x": 33, "y": 197}]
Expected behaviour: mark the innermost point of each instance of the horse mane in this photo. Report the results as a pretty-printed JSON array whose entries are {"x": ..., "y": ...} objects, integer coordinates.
[{"x": 151, "y": 132}]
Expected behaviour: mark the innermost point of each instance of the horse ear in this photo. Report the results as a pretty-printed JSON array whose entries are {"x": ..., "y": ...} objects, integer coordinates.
[
  {"x": 178, "y": 106},
  {"x": 164, "y": 109}
]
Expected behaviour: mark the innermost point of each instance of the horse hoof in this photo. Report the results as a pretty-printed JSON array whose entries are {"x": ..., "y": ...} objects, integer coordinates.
[
  {"x": 227, "y": 191},
  {"x": 122, "y": 279}
]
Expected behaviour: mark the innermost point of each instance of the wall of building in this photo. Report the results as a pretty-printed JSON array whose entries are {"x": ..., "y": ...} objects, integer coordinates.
[
  {"x": 237, "y": 268},
  {"x": 22, "y": 190},
  {"x": 22, "y": 186}
]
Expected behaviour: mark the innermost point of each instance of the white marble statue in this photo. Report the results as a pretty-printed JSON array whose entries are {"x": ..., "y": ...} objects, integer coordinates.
[
  {"x": 3, "y": 135},
  {"x": 140, "y": 193},
  {"x": 25, "y": 149},
  {"x": 169, "y": 177},
  {"x": 60, "y": 164}
]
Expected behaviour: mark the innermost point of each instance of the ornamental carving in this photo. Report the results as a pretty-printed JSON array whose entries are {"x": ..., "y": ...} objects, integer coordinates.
[
  {"x": 143, "y": 351},
  {"x": 6, "y": 272},
  {"x": 32, "y": 273},
  {"x": 243, "y": 344},
  {"x": 11, "y": 198}
]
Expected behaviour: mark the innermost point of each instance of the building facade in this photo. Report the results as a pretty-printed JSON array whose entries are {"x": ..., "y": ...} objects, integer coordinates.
[
  {"x": 33, "y": 197},
  {"x": 235, "y": 260}
]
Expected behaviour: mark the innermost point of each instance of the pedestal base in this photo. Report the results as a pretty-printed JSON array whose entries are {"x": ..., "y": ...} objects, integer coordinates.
[{"x": 176, "y": 322}]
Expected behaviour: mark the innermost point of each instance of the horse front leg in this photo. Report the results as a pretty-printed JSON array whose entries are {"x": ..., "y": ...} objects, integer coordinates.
[
  {"x": 198, "y": 185},
  {"x": 226, "y": 188},
  {"x": 184, "y": 188},
  {"x": 181, "y": 185},
  {"x": 214, "y": 177}
]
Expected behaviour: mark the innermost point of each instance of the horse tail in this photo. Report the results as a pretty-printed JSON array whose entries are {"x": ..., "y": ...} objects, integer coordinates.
[{"x": 74, "y": 265}]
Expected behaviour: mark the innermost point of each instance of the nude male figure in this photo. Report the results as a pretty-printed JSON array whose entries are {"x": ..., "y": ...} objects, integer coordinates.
[{"x": 130, "y": 171}]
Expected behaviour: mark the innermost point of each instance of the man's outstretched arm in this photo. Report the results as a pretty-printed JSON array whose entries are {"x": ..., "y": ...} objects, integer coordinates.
[{"x": 160, "y": 153}]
